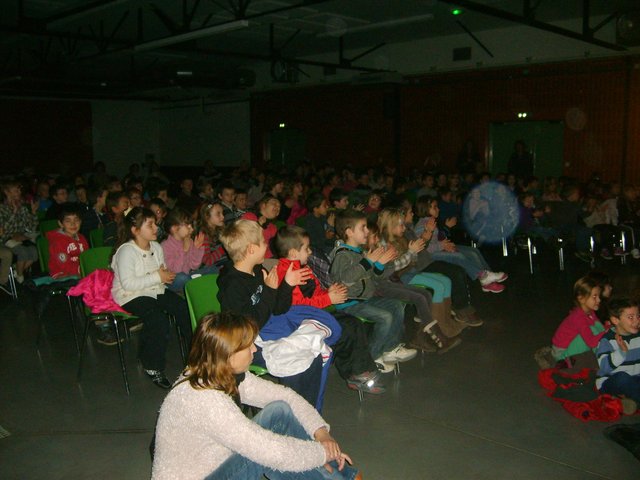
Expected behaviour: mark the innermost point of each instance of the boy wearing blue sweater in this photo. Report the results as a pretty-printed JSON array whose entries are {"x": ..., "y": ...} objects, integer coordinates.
[{"x": 619, "y": 354}]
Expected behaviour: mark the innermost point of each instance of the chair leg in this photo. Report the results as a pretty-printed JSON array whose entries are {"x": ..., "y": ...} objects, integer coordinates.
[
  {"x": 72, "y": 318},
  {"x": 560, "y": 255},
  {"x": 85, "y": 337},
  {"x": 530, "y": 253},
  {"x": 123, "y": 365},
  {"x": 12, "y": 283}
]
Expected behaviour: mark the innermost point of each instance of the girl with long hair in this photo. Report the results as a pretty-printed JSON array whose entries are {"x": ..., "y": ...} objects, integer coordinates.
[
  {"x": 202, "y": 432},
  {"x": 139, "y": 287}
]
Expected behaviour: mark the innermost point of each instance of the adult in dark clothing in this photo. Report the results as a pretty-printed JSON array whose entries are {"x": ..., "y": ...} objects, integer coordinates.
[{"x": 521, "y": 161}]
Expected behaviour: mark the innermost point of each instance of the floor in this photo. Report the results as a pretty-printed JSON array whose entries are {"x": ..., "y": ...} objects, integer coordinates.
[{"x": 476, "y": 412}]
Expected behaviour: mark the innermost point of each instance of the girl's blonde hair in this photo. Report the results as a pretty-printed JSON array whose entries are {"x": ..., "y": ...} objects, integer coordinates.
[
  {"x": 217, "y": 337},
  {"x": 388, "y": 219}
]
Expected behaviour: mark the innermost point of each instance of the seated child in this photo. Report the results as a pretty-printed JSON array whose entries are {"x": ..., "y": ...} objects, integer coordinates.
[
  {"x": 160, "y": 210},
  {"x": 66, "y": 244},
  {"x": 619, "y": 353},
  {"x": 211, "y": 223},
  {"x": 183, "y": 254},
  {"x": 94, "y": 217},
  {"x": 467, "y": 257},
  {"x": 117, "y": 205},
  {"x": 246, "y": 288},
  {"x": 578, "y": 335},
  {"x": 531, "y": 218},
  {"x": 352, "y": 357},
  {"x": 267, "y": 212},
  {"x": 360, "y": 272},
  {"x": 226, "y": 194},
  {"x": 319, "y": 225},
  {"x": 241, "y": 202}
]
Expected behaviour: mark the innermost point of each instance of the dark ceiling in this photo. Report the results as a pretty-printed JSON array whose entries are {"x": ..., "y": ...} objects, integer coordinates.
[{"x": 169, "y": 49}]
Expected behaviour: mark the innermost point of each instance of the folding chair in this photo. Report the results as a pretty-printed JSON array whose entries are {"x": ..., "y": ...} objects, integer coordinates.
[{"x": 202, "y": 299}]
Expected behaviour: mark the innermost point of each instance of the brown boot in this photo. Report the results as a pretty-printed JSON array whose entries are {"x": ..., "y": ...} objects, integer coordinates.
[
  {"x": 468, "y": 317},
  {"x": 443, "y": 343},
  {"x": 422, "y": 340},
  {"x": 448, "y": 325}
]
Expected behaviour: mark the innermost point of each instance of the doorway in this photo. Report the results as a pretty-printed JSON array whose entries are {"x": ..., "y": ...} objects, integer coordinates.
[{"x": 544, "y": 140}]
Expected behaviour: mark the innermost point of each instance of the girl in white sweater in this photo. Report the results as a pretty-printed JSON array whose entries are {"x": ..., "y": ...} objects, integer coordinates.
[
  {"x": 202, "y": 433},
  {"x": 139, "y": 282}
]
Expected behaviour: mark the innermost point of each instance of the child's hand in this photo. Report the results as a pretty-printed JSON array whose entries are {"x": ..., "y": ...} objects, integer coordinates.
[
  {"x": 271, "y": 278},
  {"x": 297, "y": 277},
  {"x": 338, "y": 293},
  {"x": 359, "y": 207},
  {"x": 34, "y": 206},
  {"x": 418, "y": 245},
  {"x": 451, "y": 222},
  {"x": 374, "y": 254},
  {"x": 199, "y": 240},
  {"x": 448, "y": 246},
  {"x": 331, "y": 219},
  {"x": 431, "y": 224},
  {"x": 389, "y": 255},
  {"x": 621, "y": 343},
  {"x": 166, "y": 276}
]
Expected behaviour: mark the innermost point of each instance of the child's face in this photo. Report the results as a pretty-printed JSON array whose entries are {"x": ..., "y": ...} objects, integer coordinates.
[
  {"x": 207, "y": 191},
  {"x": 408, "y": 216},
  {"x": 157, "y": 211},
  {"x": 606, "y": 291},
  {"x": 342, "y": 204},
  {"x": 164, "y": 196},
  {"x": 528, "y": 202},
  {"x": 628, "y": 323},
  {"x": 43, "y": 190},
  {"x": 70, "y": 225},
  {"x": 358, "y": 234},
  {"x": 303, "y": 253},
  {"x": 187, "y": 185},
  {"x": 271, "y": 209},
  {"x": 182, "y": 231},
  {"x": 590, "y": 302},
  {"x": 447, "y": 197},
  {"x": 81, "y": 195},
  {"x": 434, "y": 210},
  {"x": 148, "y": 231},
  {"x": 227, "y": 195},
  {"x": 240, "y": 201},
  {"x": 61, "y": 196},
  {"x": 428, "y": 181},
  {"x": 372, "y": 240},
  {"x": 102, "y": 199},
  {"x": 121, "y": 206},
  {"x": 215, "y": 218},
  {"x": 374, "y": 202},
  {"x": 135, "y": 200},
  {"x": 322, "y": 209}
]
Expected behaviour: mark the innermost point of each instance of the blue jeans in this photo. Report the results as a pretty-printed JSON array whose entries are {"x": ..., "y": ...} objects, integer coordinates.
[
  {"x": 278, "y": 418},
  {"x": 182, "y": 278},
  {"x": 466, "y": 257},
  {"x": 622, "y": 383},
  {"x": 388, "y": 317}
]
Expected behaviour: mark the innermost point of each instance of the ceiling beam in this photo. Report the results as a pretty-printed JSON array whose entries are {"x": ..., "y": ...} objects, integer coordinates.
[
  {"x": 531, "y": 22},
  {"x": 88, "y": 8}
]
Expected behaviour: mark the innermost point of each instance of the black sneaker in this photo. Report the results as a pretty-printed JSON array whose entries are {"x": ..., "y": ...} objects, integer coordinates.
[
  {"x": 107, "y": 337},
  {"x": 158, "y": 378},
  {"x": 135, "y": 326}
]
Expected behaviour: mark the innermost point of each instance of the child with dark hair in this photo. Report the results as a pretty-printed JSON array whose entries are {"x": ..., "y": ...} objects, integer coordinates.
[
  {"x": 95, "y": 216},
  {"x": 241, "y": 202},
  {"x": 226, "y": 195},
  {"x": 319, "y": 224},
  {"x": 160, "y": 210},
  {"x": 66, "y": 244},
  {"x": 59, "y": 195},
  {"x": 267, "y": 212},
  {"x": 182, "y": 253},
  {"x": 619, "y": 355},
  {"x": 139, "y": 287},
  {"x": 135, "y": 197},
  {"x": 117, "y": 204}
]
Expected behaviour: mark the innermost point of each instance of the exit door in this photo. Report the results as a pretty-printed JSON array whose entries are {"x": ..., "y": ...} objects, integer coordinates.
[{"x": 544, "y": 140}]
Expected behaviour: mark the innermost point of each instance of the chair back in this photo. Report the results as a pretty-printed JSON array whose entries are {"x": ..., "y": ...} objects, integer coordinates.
[
  {"x": 96, "y": 238},
  {"x": 42, "y": 244},
  {"x": 301, "y": 221},
  {"x": 48, "y": 225},
  {"x": 94, "y": 259},
  {"x": 202, "y": 297}
]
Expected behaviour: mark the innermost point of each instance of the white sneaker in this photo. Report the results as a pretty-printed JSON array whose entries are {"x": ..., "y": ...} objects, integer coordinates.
[
  {"x": 635, "y": 253},
  {"x": 383, "y": 366},
  {"x": 493, "y": 277},
  {"x": 399, "y": 354}
]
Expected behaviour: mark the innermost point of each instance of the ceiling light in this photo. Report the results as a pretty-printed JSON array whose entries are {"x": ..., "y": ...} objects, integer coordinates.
[
  {"x": 195, "y": 34},
  {"x": 456, "y": 11}
]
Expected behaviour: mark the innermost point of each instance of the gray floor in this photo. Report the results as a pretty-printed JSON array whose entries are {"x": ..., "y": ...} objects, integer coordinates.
[{"x": 474, "y": 413}]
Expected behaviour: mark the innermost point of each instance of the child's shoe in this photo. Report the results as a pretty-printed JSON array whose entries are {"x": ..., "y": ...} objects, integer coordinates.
[
  {"x": 494, "y": 277},
  {"x": 366, "y": 382},
  {"x": 606, "y": 254},
  {"x": 158, "y": 378},
  {"x": 383, "y": 366},
  {"x": 443, "y": 343},
  {"x": 467, "y": 317},
  {"x": 399, "y": 354},
  {"x": 493, "y": 288}
]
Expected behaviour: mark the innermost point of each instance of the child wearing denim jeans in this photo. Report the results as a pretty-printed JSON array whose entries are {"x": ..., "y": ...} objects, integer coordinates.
[{"x": 360, "y": 271}]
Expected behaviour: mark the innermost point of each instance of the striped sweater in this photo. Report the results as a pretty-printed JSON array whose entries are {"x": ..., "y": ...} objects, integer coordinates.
[{"x": 612, "y": 360}]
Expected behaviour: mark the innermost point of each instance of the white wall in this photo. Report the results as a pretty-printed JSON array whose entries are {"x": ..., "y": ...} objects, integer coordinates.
[
  {"x": 192, "y": 135},
  {"x": 124, "y": 133}
]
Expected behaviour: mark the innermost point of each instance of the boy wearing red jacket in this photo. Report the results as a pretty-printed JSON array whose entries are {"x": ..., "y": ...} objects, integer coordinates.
[
  {"x": 351, "y": 353},
  {"x": 66, "y": 244}
]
